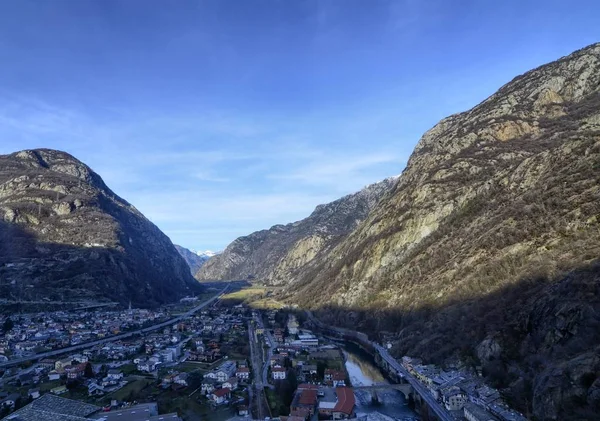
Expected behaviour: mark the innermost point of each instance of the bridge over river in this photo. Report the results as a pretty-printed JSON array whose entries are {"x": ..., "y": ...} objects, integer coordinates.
[{"x": 405, "y": 388}]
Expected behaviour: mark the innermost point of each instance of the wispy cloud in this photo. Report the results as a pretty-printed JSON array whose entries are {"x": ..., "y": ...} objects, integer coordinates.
[
  {"x": 196, "y": 176},
  {"x": 339, "y": 168}
]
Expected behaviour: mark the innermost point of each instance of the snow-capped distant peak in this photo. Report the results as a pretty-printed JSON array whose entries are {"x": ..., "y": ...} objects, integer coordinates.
[{"x": 205, "y": 253}]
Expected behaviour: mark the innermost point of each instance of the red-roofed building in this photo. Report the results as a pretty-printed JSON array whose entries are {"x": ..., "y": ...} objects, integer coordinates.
[
  {"x": 220, "y": 395},
  {"x": 344, "y": 407},
  {"x": 75, "y": 372},
  {"x": 305, "y": 399},
  {"x": 335, "y": 378},
  {"x": 300, "y": 413}
]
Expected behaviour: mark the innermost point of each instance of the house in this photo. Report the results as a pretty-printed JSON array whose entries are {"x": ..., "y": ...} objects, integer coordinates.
[
  {"x": 25, "y": 379},
  {"x": 474, "y": 412},
  {"x": 33, "y": 393},
  {"x": 114, "y": 374},
  {"x": 112, "y": 378},
  {"x": 59, "y": 390},
  {"x": 425, "y": 373},
  {"x": 276, "y": 360},
  {"x": 79, "y": 358},
  {"x": 146, "y": 366},
  {"x": 169, "y": 378},
  {"x": 53, "y": 375},
  {"x": 339, "y": 379},
  {"x": 231, "y": 383},
  {"x": 60, "y": 365},
  {"x": 308, "y": 340},
  {"x": 453, "y": 398},
  {"x": 310, "y": 369},
  {"x": 305, "y": 398},
  {"x": 208, "y": 385},
  {"x": 75, "y": 372},
  {"x": 334, "y": 377},
  {"x": 301, "y": 414},
  {"x": 225, "y": 371},
  {"x": 243, "y": 373},
  {"x": 278, "y": 373},
  {"x": 166, "y": 356},
  {"x": 243, "y": 411},
  {"x": 47, "y": 363},
  {"x": 220, "y": 395},
  {"x": 344, "y": 407},
  {"x": 94, "y": 389},
  {"x": 336, "y": 403},
  {"x": 181, "y": 379}
]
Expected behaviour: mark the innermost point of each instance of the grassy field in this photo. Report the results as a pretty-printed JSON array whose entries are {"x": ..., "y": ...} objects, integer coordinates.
[
  {"x": 267, "y": 304},
  {"x": 45, "y": 387},
  {"x": 190, "y": 366},
  {"x": 246, "y": 294},
  {"x": 275, "y": 403},
  {"x": 132, "y": 388},
  {"x": 192, "y": 409}
]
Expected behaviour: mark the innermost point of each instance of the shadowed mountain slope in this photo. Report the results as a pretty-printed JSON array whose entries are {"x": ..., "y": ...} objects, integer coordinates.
[
  {"x": 503, "y": 197},
  {"x": 66, "y": 236},
  {"x": 194, "y": 260}
]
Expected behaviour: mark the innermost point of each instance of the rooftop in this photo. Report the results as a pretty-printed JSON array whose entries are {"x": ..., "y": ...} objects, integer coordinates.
[
  {"x": 346, "y": 400},
  {"x": 54, "y": 408}
]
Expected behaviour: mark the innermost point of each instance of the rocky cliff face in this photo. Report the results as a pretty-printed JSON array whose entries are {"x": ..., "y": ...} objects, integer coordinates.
[
  {"x": 194, "y": 260},
  {"x": 65, "y": 236},
  {"x": 279, "y": 254},
  {"x": 490, "y": 234}
]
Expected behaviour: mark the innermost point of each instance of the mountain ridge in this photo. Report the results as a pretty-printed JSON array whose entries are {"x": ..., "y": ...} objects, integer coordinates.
[
  {"x": 275, "y": 254},
  {"x": 66, "y": 236},
  {"x": 489, "y": 241},
  {"x": 484, "y": 252},
  {"x": 195, "y": 259}
]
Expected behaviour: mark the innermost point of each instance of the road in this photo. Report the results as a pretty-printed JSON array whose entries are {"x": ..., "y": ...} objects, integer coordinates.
[
  {"x": 85, "y": 345},
  {"x": 259, "y": 373},
  {"x": 255, "y": 395},
  {"x": 421, "y": 389},
  {"x": 271, "y": 343},
  {"x": 437, "y": 408}
]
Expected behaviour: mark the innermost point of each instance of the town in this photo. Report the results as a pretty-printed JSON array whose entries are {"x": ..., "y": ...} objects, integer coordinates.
[{"x": 222, "y": 360}]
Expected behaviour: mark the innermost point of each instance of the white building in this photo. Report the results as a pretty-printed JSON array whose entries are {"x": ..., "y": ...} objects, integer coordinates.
[
  {"x": 308, "y": 340},
  {"x": 278, "y": 373}
]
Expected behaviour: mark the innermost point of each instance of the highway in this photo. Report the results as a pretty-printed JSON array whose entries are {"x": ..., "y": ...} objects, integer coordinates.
[{"x": 85, "y": 345}]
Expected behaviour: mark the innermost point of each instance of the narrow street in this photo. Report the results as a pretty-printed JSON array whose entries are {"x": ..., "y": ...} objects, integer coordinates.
[{"x": 257, "y": 398}]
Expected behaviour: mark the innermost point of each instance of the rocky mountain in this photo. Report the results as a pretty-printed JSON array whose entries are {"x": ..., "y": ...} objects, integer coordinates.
[
  {"x": 486, "y": 249},
  {"x": 279, "y": 254},
  {"x": 195, "y": 259},
  {"x": 65, "y": 236}
]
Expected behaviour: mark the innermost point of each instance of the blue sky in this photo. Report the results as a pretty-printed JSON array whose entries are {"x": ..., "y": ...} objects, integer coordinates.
[{"x": 219, "y": 118}]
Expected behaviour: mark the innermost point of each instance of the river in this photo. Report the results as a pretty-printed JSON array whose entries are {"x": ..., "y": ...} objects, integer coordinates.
[{"x": 363, "y": 372}]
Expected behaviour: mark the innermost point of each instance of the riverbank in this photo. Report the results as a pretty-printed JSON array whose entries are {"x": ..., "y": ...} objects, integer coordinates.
[{"x": 380, "y": 405}]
